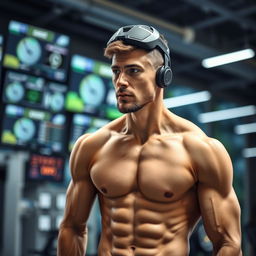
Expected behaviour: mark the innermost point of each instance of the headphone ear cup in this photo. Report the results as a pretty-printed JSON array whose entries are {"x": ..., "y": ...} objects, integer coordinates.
[{"x": 163, "y": 76}]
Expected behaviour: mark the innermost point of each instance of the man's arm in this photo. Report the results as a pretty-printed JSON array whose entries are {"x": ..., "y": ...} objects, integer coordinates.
[
  {"x": 80, "y": 197},
  {"x": 218, "y": 202}
]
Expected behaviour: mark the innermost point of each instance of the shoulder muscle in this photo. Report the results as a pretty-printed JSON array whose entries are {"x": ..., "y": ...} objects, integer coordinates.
[
  {"x": 211, "y": 162},
  {"x": 83, "y": 153}
]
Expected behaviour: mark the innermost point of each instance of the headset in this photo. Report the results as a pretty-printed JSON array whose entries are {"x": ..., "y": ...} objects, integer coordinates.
[{"x": 148, "y": 38}]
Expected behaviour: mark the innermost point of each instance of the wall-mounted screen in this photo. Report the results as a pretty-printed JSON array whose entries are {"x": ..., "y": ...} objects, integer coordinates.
[
  {"x": 82, "y": 124},
  {"x": 44, "y": 222},
  {"x": 33, "y": 129},
  {"x": 36, "y": 50},
  {"x": 91, "y": 90},
  {"x": 32, "y": 91},
  {"x": 45, "y": 168},
  {"x": 35, "y": 171},
  {"x": 60, "y": 201}
]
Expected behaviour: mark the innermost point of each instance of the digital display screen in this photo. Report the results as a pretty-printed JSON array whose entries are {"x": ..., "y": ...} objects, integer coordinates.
[
  {"x": 33, "y": 129},
  {"x": 45, "y": 168},
  {"x": 91, "y": 90},
  {"x": 60, "y": 201},
  {"x": 44, "y": 222},
  {"x": 32, "y": 91},
  {"x": 82, "y": 124},
  {"x": 44, "y": 198},
  {"x": 38, "y": 51}
]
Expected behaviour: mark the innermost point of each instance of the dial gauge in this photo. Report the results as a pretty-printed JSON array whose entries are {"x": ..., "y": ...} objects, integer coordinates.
[
  {"x": 14, "y": 92},
  {"x": 55, "y": 60},
  {"x": 57, "y": 102},
  {"x": 92, "y": 90},
  {"x": 29, "y": 50},
  {"x": 24, "y": 129}
]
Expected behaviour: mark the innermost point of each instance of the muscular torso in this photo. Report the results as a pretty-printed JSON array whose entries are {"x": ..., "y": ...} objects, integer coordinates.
[{"x": 147, "y": 195}]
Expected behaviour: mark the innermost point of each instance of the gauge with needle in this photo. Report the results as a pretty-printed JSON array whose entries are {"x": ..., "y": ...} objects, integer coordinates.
[
  {"x": 92, "y": 90},
  {"x": 55, "y": 60},
  {"x": 57, "y": 102},
  {"x": 24, "y": 129},
  {"x": 14, "y": 92},
  {"x": 29, "y": 51}
]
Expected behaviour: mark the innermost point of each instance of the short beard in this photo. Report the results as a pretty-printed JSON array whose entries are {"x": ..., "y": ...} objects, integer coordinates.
[{"x": 131, "y": 109}]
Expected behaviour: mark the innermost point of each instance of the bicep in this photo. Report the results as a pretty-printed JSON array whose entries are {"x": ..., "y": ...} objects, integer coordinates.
[
  {"x": 81, "y": 191},
  {"x": 221, "y": 215},
  {"x": 218, "y": 202},
  {"x": 79, "y": 201}
]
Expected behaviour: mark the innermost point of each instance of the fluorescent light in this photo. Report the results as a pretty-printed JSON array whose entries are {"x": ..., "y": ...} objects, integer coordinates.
[
  {"x": 187, "y": 99},
  {"x": 249, "y": 152},
  {"x": 227, "y": 114},
  {"x": 245, "y": 128},
  {"x": 228, "y": 58}
]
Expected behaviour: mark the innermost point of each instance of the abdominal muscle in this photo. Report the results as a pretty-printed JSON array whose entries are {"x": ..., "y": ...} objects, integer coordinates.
[{"x": 134, "y": 225}]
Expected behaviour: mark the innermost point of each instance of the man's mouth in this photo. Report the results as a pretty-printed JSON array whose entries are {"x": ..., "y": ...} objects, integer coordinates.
[{"x": 121, "y": 95}]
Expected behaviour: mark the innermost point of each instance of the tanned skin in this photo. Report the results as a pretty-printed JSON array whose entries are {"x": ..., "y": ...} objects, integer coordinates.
[{"x": 155, "y": 175}]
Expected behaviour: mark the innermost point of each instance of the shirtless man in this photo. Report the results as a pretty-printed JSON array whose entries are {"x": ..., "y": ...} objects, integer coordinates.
[{"x": 155, "y": 173}]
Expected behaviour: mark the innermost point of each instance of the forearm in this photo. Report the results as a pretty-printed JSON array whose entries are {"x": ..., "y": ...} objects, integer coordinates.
[
  {"x": 70, "y": 243},
  {"x": 228, "y": 251}
]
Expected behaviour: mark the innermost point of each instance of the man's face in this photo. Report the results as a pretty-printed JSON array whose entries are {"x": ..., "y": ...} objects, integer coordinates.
[{"x": 134, "y": 80}]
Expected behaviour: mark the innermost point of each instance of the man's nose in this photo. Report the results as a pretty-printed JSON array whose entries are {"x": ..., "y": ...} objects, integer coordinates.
[{"x": 122, "y": 80}]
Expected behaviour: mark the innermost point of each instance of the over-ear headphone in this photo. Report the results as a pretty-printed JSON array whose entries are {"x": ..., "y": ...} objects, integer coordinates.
[{"x": 148, "y": 38}]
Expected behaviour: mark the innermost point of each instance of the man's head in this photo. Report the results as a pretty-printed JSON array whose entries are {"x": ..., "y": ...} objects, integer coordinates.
[
  {"x": 149, "y": 39},
  {"x": 140, "y": 64}
]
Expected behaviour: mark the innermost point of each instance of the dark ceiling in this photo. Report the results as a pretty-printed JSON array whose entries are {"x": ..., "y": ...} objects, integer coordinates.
[{"x": 195, "y": 29}]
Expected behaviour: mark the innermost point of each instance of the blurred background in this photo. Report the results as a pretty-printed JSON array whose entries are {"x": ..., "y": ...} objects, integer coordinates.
[{"x": 56, "y": 85}]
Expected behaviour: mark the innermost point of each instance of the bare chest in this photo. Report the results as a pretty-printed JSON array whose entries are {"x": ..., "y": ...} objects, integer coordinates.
[{"x": 160, "y": 169}]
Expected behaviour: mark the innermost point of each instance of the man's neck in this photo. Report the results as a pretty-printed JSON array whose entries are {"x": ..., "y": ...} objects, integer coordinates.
[{"x": 151, "y": 120}]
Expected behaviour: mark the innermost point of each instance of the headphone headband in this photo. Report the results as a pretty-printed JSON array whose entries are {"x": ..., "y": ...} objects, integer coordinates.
[{"x": 142, "y": 36}]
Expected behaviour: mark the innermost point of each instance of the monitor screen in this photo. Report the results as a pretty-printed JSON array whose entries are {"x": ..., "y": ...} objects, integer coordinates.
[
  {"x": 44, "y": 222},
  {"x": 81, "y": 124},
  {"x": 32, "y": 91},
  {"x": 44, "y": 198},
  {"x": 45, "y": 168},
  {"x": 60, "y": 201},
  {"x": 33, "y": 129},
  {"x": 37, "y": 51},
  {"x": 91, "y": 90}
]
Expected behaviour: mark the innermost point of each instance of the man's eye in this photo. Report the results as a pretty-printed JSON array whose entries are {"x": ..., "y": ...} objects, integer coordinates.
[
  {"x": 134, "y": 70},
  {"x": 115, "y": 71}
]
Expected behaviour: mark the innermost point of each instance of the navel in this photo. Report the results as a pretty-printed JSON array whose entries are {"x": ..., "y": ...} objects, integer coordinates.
[
  {"x": 168, "y": 194},
  {"x": 133, "y": 247},
  {"x": 103, "y": 190}
]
